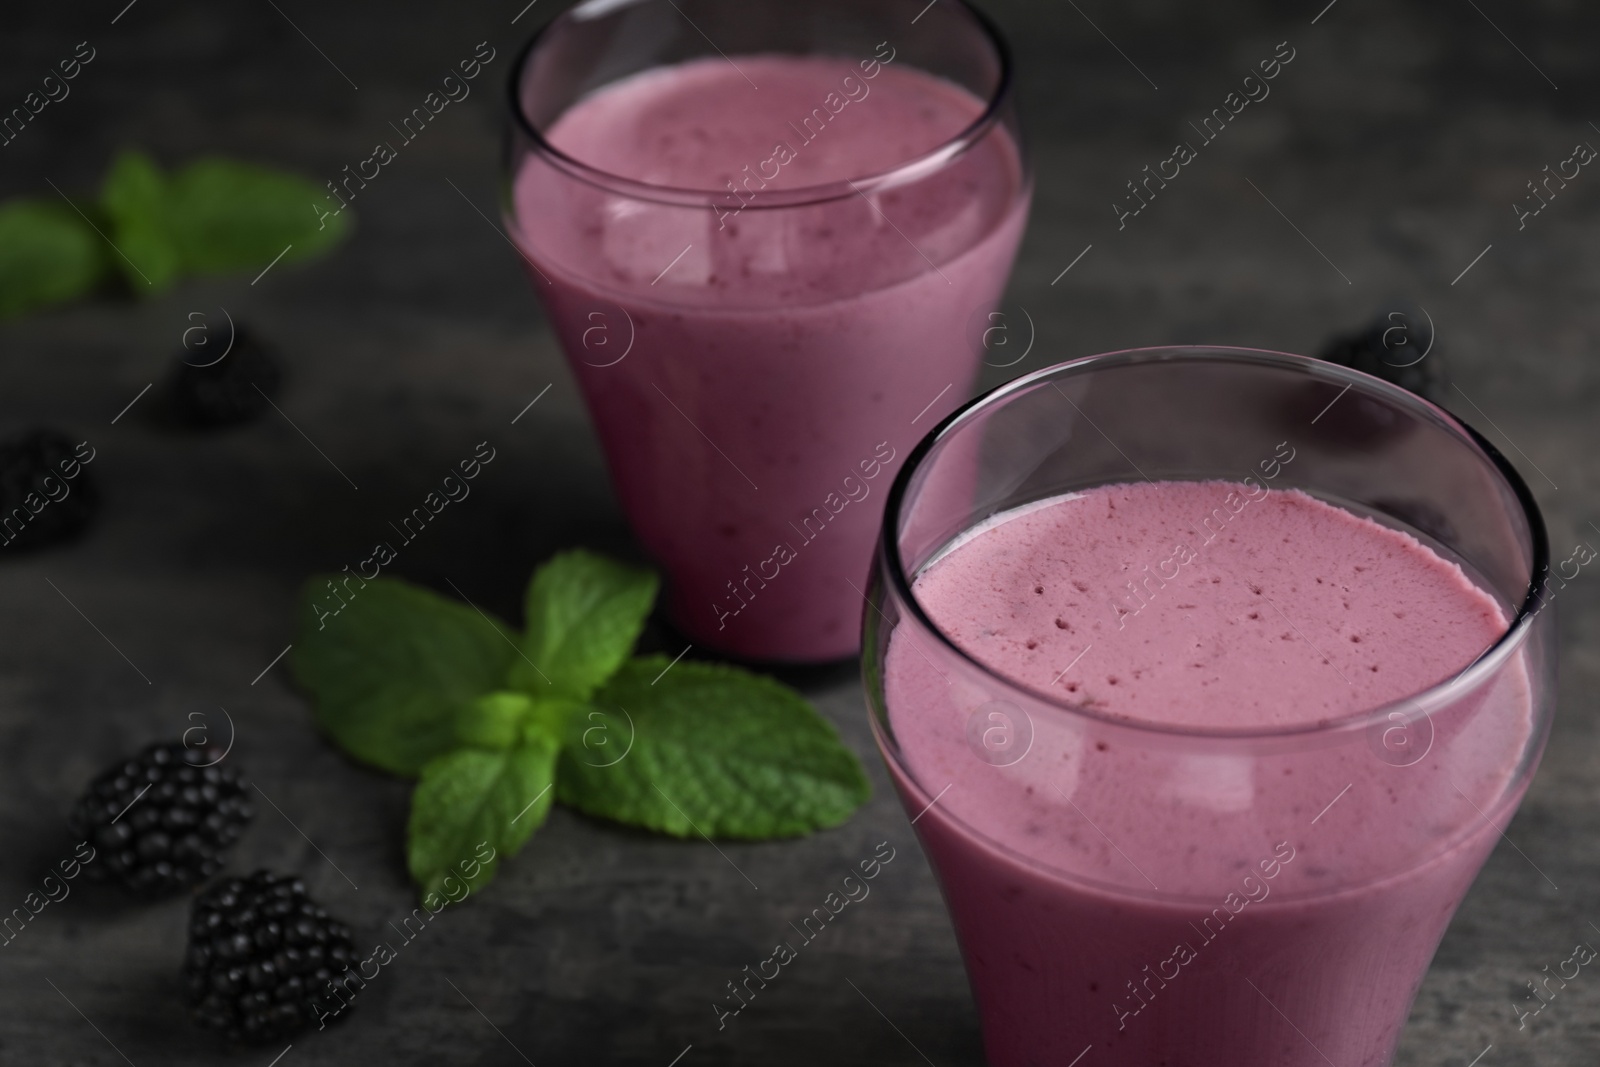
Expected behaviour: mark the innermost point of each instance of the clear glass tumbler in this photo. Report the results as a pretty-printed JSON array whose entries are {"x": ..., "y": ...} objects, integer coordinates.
[
  {"x": 1306, "y": 874},
  {"x": 758, "y": 349}
]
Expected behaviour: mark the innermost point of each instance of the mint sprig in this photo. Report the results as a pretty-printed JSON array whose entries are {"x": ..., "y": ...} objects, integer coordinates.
[
  {"x": 153, "y": 227},
  {"x": 496, "y": 725},
  {"x": 211, "y": 217}
]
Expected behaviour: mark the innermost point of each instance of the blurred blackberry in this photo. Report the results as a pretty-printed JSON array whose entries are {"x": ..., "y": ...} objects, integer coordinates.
[
  {"x": 1397, "y": 347},
  {"x": 261, "y": 957},
  {"x": 164, "y": 820},
  {"x": 47, "y": 495},
  {"x": 209, "y": 389}
]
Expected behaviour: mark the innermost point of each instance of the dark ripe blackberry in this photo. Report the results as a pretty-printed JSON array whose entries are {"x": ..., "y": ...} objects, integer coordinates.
[
  {"x": 1396, "y": 346},
  {"x": 47, "y": 494},
  {"x": 261, "y": 958},
  {"x": 164, "y": 820},
  {"x": 210, "y": 389}
]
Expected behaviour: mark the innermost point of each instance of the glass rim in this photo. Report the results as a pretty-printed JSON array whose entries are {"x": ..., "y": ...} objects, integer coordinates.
[
  {"x": 901, "y": 173},
  {"x": 1411, "y": 706}
]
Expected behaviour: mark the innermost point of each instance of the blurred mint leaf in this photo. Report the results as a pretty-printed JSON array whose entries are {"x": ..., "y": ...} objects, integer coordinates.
[
  {"x": 715, "y": 750},
  {"x": 225, "y": 215},
  {"x": 212, "y": 216},
  {"x": 134, "y": 201},
  {"x": 48, "y": 255},
  {"x": 494, "y": 720},
  {"x": 504, "y": 718},
  {"x": 474, "y": 803},
  {"x": 390, "y": 670},
  {"x": 583, "y": 614}
]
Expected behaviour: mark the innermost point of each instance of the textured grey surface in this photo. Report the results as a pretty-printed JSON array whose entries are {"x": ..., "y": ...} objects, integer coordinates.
[{"x": 1396, "y": 141}]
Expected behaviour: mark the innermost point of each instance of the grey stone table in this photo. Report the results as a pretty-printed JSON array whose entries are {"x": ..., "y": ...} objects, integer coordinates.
[{"x": 1385, "y": 162}]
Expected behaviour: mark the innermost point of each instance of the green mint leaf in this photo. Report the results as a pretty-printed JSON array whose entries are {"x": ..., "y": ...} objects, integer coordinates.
[
  {"x": 552, "y": 719},
  {"x": 583, "y": 614},
  {"x": 225, "y": 216},
  {"x": 476, "y": 805},
  {"x": 504, "y": 718},
  {"x": 494, "y": 720},
  {"x": 213, "y": 216},
  {"x": 48, "y": 255},
  {"x": 390, "y": 669},
  {"x": 134, "y": 201},
  {"x": 714, "y": 750}
]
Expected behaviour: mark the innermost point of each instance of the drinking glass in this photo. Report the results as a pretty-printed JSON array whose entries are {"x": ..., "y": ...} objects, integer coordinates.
[
  {"x": 1251, "y": 897},
  {"x": 757, "y": 359}
]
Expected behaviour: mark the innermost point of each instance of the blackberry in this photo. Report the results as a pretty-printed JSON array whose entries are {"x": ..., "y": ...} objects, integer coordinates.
[
  {"x": 163, "y": 821},
  {"x": 47, "y": 494},
  {"x": 1397, "y": 347},
  {"x": 262, "y": 957},
  {"x": 211, "y": 390}
]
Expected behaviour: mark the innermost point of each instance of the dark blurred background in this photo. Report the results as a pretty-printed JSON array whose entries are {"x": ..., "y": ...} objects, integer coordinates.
[{"x": 1385, "y": 162}]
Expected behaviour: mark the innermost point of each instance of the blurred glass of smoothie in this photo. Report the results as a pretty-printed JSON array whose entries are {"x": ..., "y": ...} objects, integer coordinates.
[{"x": 762, "y": 266}]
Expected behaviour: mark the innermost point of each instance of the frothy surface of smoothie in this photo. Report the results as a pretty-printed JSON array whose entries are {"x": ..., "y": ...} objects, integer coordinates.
[
  {"x": 1172, "y": 900},
  {"x": 814, "y": 121},
  {"x": 699, "y": 125},
  {"x": 1282, "y": 612},
  {"x": 755, "y": 372}
]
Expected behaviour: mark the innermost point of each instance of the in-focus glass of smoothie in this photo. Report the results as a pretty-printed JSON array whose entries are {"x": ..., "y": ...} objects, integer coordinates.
[
  {"x": 762, "y": 267},
  {"x": 1204, "y": 767}
]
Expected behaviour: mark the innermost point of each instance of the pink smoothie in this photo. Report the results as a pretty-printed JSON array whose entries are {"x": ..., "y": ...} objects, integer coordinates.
[
  {"x": 1158, "y": 899},
  {"x": 756, "y": 372}
]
